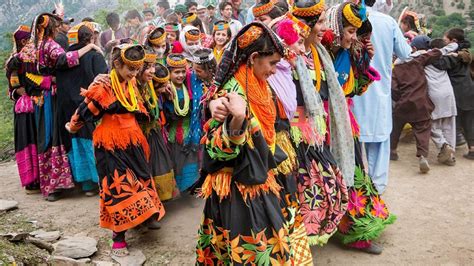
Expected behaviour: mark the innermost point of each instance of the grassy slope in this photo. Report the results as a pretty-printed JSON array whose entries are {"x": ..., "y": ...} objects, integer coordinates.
[{"x": 6, "y": 114}]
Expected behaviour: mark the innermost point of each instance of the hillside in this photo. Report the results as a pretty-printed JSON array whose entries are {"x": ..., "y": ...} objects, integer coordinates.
[{"x": 15, "y": 12}]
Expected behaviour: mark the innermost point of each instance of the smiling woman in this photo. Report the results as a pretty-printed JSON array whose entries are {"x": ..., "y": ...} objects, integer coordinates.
[{"x": 243, "y": 221}]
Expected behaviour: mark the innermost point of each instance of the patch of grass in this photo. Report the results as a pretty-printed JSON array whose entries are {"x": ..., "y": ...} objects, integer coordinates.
[
  {"x": 21, "y": 252},
  {"x": 6, "y": 113}
]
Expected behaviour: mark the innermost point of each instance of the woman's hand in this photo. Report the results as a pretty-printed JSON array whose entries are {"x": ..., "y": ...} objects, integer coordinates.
[
  {"x": 370, "y": 48},
  {"x": 236, "y": 105},
  {"x": 218, "y": 109}
]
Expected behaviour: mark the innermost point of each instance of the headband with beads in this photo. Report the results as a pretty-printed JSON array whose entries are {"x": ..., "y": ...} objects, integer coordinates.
[
  {"x": 172, "y": 27},
  {"x": 133, "y": 63},
  {"x": 263, "y": 9},
  {"x": 159, "y": 40},
  {"x": 192, "y": 37},
  {"x": 304, "y": 29},
  {"x": 189, "y": 18},
  {"x": 221, "y": 26},
  {"x": 350, "y": 16},
  {"x": 180, "y": 63},
  {"x": 249, "y": 36},
  {"x": 311, "y": 11}
]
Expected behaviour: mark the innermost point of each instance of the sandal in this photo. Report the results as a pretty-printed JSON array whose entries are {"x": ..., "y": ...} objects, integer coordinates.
[{"x": 119, "y": 249}]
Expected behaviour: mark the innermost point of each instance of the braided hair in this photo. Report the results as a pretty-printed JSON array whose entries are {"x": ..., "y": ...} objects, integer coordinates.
[{"x": 266, "y": 45}]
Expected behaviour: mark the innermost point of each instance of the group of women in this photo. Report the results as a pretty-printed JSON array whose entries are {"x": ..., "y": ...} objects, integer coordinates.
[{"x": 258, "y": 124}]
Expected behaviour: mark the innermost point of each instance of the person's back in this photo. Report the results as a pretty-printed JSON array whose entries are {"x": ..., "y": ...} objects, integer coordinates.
[
  {"x": 410, "y": 87},
  {"x": 440, "y": 89},
  {"x": 375, "y": 120}
]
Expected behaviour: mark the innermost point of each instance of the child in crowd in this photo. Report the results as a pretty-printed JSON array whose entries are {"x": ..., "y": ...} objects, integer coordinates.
[
  {"x": 443, "y": 124},
  {"x": 410, "y": 94},
  {"x": 458, "y": 67}
]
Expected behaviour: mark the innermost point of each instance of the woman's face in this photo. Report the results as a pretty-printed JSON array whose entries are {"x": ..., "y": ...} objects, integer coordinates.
[
  {"x": 126, "y": 72},
  {"x": 298, "y": 47},
  {"x": 177, "y": 76},
  {"x": 171, "y": 37},
  {"x": 319, "y": 28},
  {"x": 265, "y": 19},
  {"x": 201, "y": 72},
  {"x": 148, "y": 72},
  {"x": 160, "y": 50},
  {"x": 404, "y": 26},
  {"x": 265, "y": 66},
  {"x": 221, "y": 38},
  {"x": 192, "y": 43},
  {"x": 349, "y": 36}
]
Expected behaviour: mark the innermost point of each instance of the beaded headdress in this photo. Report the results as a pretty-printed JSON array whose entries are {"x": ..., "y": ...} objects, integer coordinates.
[
  {"x": 188, "y": 18},
  {"x": 249, "y": 36},
  {"x": 160, "y": 40},
  {"x": 206, "y": 57},
  {"x": 163, "y": 79},
  {"x": 171, "y": 27},
  {"x": 130, "y": 62},
  {"x": 176, "y": 61},
  {"x": 311, "y": 11},
  {"x": 73, "y": 33},
  {"x": 220, "y": 25},
  {"x": 193, "y": 37},
  {"x": 263, "y": 9}
]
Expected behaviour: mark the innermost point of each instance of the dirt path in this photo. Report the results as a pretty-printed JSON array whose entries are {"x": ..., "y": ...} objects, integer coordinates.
[{"x": 435, "y": 218}]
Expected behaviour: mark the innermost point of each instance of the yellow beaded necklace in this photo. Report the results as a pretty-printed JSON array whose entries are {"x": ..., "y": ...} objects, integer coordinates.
[
  {"x": 117, "y": 88},
  {"x": 177, "y": 109}
]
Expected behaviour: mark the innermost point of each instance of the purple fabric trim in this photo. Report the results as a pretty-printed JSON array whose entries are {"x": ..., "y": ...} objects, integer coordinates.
[
  {"x": 72, "y": 58},
  {"x": 27, "y": 162},
  {"x": 55, "y": 172},
  {"x": 24, "y": 105},
  {"x": 284, "y": 87}
]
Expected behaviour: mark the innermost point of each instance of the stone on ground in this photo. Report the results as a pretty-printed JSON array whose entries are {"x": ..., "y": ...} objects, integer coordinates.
[
  {"x": 75, "y": 247},
  {"x": 135, "y": 258},
  {"x": 65, "y": 261},
  {"x": 46, "y": 236},
  {"x": 6, "y": 205}
]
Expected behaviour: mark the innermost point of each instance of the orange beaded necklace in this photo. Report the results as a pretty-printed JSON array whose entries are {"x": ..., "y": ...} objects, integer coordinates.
[{"x": 260, "y": 100}]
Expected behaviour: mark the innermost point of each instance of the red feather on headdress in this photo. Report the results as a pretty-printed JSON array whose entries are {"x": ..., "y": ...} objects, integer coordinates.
[{"x": 287, "y": 31}]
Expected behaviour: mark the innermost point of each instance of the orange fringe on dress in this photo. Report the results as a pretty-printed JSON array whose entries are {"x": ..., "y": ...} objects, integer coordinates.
[{"x": 221, "y": 181}]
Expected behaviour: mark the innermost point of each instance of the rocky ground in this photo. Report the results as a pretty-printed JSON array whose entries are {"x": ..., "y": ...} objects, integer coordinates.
[{"x": 435, "y": 220}]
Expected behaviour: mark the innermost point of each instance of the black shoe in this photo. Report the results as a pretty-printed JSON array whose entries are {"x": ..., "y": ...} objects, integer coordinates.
[
  {"x": 393, "y": 156},
  {"x": 153, "y": 225},
  {"x": 460, "y": 140},
  {"x": 375, "y": 249},
  {"x": 469, "y": 155},
  {"x": 55, "y": 196}
]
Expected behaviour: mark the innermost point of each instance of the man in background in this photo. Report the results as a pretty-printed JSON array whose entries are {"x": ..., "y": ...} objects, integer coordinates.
[
  {"x": 61, "y": 38},
  {"x": 111, "y": 37},
  {"x": 225, "y": 9},
  {"x": 161, "y": 8},
  {"x": 373, "y": 109}
]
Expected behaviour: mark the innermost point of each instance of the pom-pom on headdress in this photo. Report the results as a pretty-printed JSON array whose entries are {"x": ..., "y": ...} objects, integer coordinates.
[
  {"x": 288, "y": 31},
  {"x": 303, "y": 29}
]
